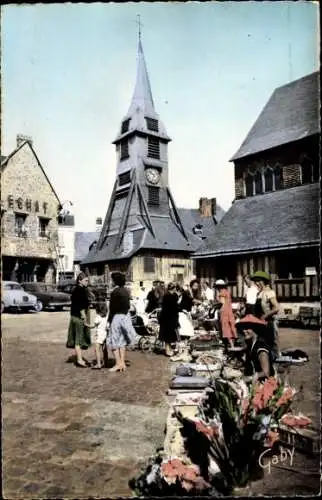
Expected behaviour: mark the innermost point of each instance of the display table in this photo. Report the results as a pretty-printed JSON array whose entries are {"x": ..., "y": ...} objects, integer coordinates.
[{"x": 173, "y": 443}]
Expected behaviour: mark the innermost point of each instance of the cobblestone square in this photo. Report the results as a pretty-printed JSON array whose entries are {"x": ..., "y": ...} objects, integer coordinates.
[{"x": 73, "y": 433}]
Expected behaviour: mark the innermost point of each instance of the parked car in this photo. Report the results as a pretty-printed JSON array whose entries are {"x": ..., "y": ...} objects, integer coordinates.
[
  {"x": 15, "y": 297},
  {"x": 97, "y": 293},
  {"x": 66, "y": 286},
  {"x": 48, "y": 295}
]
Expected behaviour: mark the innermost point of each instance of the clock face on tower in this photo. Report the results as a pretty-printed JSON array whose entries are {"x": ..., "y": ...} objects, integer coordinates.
[{"x": 152, "y": 175}]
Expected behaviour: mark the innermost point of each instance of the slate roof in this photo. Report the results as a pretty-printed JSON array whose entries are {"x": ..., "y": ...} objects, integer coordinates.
[
  {"x": 168, "y": 237},
  {"x": 83, "y": 240},
  {"x": 191, "y": 216},
  {"x": 292, "y": 113},
  {"x": 282, "y": 219},
  {"x": 142, "y": 104}
]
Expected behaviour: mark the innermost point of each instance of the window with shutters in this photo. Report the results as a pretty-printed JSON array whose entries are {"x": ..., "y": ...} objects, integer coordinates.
[
  {"x": 268, "y": 180},
  {"x": 258, "y": 182},
  {"x": 153, "y": 148},
  {"x": 124, "y": 150},
  {"x": 149, "y": 264},
  {"x": 125, "y": 126},
  {"x": 152, "y": 124},
  {"x": 249, "y": 183},
  {"x": 125, "y": 178},
  {"x": 153, "y": 196}
]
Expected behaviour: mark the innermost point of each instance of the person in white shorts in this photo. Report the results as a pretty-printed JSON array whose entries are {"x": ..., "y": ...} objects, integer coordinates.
[{"x": 99, "y": 335}]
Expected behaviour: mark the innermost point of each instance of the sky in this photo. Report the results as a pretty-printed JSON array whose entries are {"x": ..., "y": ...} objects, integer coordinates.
[{"x": 68, "y": 72}]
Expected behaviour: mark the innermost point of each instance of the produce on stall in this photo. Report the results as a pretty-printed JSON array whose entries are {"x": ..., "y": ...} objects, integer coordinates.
[{"x": 232, "y": 427}]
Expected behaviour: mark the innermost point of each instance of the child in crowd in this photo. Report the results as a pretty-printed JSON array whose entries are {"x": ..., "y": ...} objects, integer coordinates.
[{"x": 100, "y": 333}]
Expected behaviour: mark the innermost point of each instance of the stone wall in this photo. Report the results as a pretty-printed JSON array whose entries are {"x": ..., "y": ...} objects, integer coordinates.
[{"x": 26, "y": 190}]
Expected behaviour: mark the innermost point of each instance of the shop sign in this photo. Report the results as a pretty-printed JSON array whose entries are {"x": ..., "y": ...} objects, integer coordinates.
[{"x": 27, "y": 204}]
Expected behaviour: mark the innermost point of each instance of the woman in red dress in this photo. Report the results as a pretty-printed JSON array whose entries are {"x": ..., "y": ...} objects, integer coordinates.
[{"x": 227, "y": 319}]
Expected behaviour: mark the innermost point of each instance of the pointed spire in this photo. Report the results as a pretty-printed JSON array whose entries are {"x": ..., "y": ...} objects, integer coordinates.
[{"x": 142, "y": 95}]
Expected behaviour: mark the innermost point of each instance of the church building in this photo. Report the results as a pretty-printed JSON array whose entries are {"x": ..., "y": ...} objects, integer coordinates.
[{"x": 144, "y": 234}]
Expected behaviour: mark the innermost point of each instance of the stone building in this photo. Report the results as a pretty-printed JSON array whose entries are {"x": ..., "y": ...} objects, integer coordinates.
[
  {"x": 273, "y": 224},
  {"x": 29, "y": 208},
  {"x": 144, "y": 234}
]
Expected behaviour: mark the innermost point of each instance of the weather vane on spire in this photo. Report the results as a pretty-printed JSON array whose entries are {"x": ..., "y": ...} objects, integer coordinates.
[{"x": 138, "y": 22}]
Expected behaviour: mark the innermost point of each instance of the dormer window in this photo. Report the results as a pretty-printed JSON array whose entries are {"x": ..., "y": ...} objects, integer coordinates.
[
  {"x": 124, "y": 150},
  {"x": 197, "y": 229},
  {"x": 125, "y": 126},
  {"x": 153, "y": 148},
  {"x": 152, "y": 124},
  {"x": 125, "y": 178}
]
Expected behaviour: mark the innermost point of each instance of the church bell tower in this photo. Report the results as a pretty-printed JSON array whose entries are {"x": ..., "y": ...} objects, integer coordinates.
[{"x": 142, "y": 215}]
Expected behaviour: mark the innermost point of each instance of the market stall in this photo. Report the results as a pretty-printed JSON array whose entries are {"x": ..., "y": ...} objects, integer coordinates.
[{"x": 219, "y": 425}]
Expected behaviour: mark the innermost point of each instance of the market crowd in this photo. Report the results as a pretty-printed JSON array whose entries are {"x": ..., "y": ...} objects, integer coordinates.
[{"x": 255, "y": 319}]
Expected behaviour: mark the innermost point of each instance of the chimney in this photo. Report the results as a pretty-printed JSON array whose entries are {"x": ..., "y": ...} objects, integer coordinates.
[
  {"x": 99, "y": 223},
  {"x": 23, "y": 138},
  {"x": 205, "y": 207}
]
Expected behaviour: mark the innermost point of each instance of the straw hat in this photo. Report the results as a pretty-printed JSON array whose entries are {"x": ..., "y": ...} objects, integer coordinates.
[
  {"x": 260, "y": 275},
  {"x": 251, "y": 322},
  {"x": 220, "y": 283}
]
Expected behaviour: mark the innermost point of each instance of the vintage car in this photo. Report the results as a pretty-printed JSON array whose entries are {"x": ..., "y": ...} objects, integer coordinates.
[
  {"x": 15, "y": 297},
  {"x": 66, "y": 286},
  {"x": 97, "y": 293},
  {"x": 48, "y": 295}
]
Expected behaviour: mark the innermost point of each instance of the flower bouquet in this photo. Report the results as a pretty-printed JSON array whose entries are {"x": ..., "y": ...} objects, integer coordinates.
[
  {"x": 171, "y": 477},
  {"x": 223, "y": 444},
  {"x": 235, "y": 427}
]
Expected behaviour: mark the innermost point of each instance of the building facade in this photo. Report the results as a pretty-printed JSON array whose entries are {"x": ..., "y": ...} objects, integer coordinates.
[
  {"x": 29, "y": 208},
  {"x": 143, "y": 234},
  {"x": 66, "y": 246},
  {"x": 273, "y": 224}
]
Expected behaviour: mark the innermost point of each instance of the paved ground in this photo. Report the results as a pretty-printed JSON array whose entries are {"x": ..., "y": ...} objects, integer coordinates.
[
  {"x": 70, "y": 432},
  {"x": 78, "y": 433}
]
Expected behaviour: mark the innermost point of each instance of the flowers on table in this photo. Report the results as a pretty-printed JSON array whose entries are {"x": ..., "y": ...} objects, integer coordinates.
[
  {"x": 295, "y": 420},
  {"x": 271, "y": 438},
  {"x": 172, "y": 476},
  {"x": 188, "y": 474},
  {"x": 270, "y": 398},
  {"x": 223, "y": 444},
  {"x": 239, "y": 424}
]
